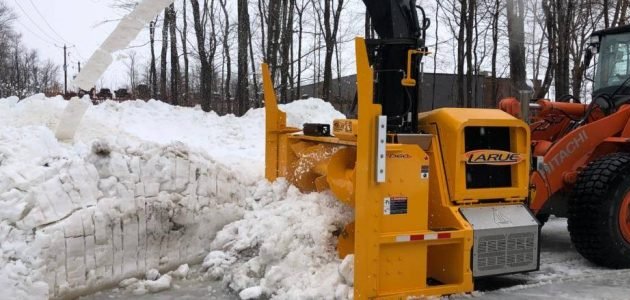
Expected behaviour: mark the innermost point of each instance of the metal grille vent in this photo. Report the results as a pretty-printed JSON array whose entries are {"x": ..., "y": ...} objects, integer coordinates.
[
  {"x": 497, "y": 252},
  {"x": 520, "y": 249}
]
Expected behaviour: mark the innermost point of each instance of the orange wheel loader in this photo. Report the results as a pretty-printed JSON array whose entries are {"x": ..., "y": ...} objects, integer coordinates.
[{"x": 581, "y": 155}]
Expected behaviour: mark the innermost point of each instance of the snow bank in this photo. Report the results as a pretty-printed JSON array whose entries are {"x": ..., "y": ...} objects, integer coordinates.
[
  {"x": 284, "y": 247},
  {"x": 92, "y": 217},
  {"x": 146, "y": 186},
  {"x": 239, "y": 143}
]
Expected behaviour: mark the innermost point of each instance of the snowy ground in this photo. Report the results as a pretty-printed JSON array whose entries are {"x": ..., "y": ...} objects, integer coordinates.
[{"x": 146, "y": 189}]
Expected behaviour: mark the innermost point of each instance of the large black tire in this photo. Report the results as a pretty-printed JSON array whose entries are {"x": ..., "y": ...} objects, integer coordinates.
[{"x": 594, "y": 223}]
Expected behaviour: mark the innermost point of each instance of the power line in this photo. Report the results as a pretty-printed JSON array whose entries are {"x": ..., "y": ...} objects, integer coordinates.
[
  {"x": 32, "y": 21},
  {"x": 35, "y": 34},
  {"x": 46, "y": 21},
  {"x": 52, "y": 28}
]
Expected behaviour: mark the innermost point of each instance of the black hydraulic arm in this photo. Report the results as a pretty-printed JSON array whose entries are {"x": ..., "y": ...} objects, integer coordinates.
[{"x": 399, "y": 29}]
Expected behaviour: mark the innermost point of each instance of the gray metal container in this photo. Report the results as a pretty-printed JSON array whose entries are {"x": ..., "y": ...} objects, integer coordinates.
[{"x": 506, "y": 239}]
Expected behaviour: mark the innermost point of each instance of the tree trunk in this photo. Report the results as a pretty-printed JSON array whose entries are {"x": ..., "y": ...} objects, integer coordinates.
[
  {"x": 273, "y": 34},
  {"x": 163, "y": 77},
  {"x": 461, "y": 41},
  {"x": 174, "y": 56},
  {"x": 330, "y": 38},
  {"x": 287, "y": 37},
  {"x": 470, "y": 25},
  {"x": 184, "y": 37},
  {"x": 300, "y": 13},
  {"x": 564, "y": 16},
  {"x": 516, "y": 33},
  {"x": 226, "y": 51},
  {"x": 606, "y": 8},
  {"x": 242, "y": 91},
  {"x": 257, "y": 99},
  {"x": 153, "y": 70},
  {"x": 261, "y": 13},
  {"x": 206, "y": 71},
  {"x": 495, "y": 45},
  {"x": 547, "y": 7}
]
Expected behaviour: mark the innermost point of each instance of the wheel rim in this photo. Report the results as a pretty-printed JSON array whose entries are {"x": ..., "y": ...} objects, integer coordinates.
[{"x": 624, "y": 217}]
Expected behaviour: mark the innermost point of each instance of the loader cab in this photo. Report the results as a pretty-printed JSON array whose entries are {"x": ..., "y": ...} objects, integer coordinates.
[{"x": 612, "y": 69}]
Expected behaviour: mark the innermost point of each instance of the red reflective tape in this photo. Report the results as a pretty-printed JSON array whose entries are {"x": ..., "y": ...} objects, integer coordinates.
[
  {"x": 445, "y": 235},
  {"x": 417, "y": 237}
]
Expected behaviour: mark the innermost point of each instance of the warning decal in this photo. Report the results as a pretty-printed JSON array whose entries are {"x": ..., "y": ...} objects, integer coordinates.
[{"x": 395, "y": 206}]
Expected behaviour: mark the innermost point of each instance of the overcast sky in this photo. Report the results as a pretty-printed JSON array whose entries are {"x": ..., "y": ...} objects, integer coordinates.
[{"x": 81, "y": 24}]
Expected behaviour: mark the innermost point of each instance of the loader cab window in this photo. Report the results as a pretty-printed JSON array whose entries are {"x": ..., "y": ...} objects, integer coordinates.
[{"x": 613, "y": 67}]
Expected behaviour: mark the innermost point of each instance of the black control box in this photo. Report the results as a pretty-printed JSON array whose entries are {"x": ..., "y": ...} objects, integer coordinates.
[{"x": 314, "y": 129}]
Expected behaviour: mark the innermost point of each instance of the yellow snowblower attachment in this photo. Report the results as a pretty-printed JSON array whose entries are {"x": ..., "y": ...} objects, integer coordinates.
[{"x": 408, "y": 239}]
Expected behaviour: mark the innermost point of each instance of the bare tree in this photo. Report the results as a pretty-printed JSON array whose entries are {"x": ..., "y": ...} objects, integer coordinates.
[
  {"x": 300, "y": 21},
  {"x": 153, "y": 69},
  {"x": 551, "y": 48},
  {"x": 564, "y": 10},
  {"x": 242, "y": 92},
  {"x": 516, "y": 34},
  {"x": 330, "y": 27},
  {"x": 495, "y": 45},
  {"x": 23, "y": 72},
  {"x": 286, "y": 47},
  {"x": 163, "y": 61},
  {"x": 132, "y": 69},
  {"x": 226, "y": 50},
  {"x": 184, "y": 37},
  {"x": 470, "y": 38},
  {"x": 461, "y": 54},
  {"x": 174, "y": 55},
  {"x": 200, "y": 18},
  {"x": 274, "y": 13},
  {"x": 585, "y": 22}
]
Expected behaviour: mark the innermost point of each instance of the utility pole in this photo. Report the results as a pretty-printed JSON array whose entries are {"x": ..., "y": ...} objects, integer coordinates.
[{"x": 65, "y": 71}]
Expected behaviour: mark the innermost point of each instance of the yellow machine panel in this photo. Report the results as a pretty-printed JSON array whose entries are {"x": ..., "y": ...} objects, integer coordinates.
[{"x": 461, "y": 132}]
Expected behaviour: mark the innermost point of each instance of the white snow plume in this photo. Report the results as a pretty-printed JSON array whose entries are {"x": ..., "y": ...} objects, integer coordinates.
[
  {"x": 284, "y": 248},
  {"x": 126, "y": 31},
  {"x": 145, "y": 186}
]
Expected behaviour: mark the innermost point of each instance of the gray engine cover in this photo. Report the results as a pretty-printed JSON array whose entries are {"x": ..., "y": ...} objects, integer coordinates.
[{"x": 506, "y": 239}]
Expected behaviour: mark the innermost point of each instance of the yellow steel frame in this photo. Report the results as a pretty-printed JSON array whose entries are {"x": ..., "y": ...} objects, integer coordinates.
[{"x": 396, "y": 255}]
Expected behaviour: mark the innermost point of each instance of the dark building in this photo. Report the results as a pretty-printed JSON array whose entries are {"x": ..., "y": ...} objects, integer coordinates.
[{"x": 438, "y": 90}]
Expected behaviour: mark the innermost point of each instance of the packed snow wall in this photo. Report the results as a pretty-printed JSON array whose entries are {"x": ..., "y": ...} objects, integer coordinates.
[
  {"x": 86, "y": 221},
  {"x": 125, "y": 197}
]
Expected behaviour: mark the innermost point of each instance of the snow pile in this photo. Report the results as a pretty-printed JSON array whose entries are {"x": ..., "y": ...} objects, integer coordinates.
[
  {"x": 98, "y": 215},
  {"x": 239, "y": 143},
  {"x": 284, "y": 248},
  {"x": 146, "y": 186}
]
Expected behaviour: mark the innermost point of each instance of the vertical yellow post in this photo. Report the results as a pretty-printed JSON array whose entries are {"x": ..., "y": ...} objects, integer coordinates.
[
  {"x": 366, "y": 228},
  {"x": 275, "y": 122}
]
